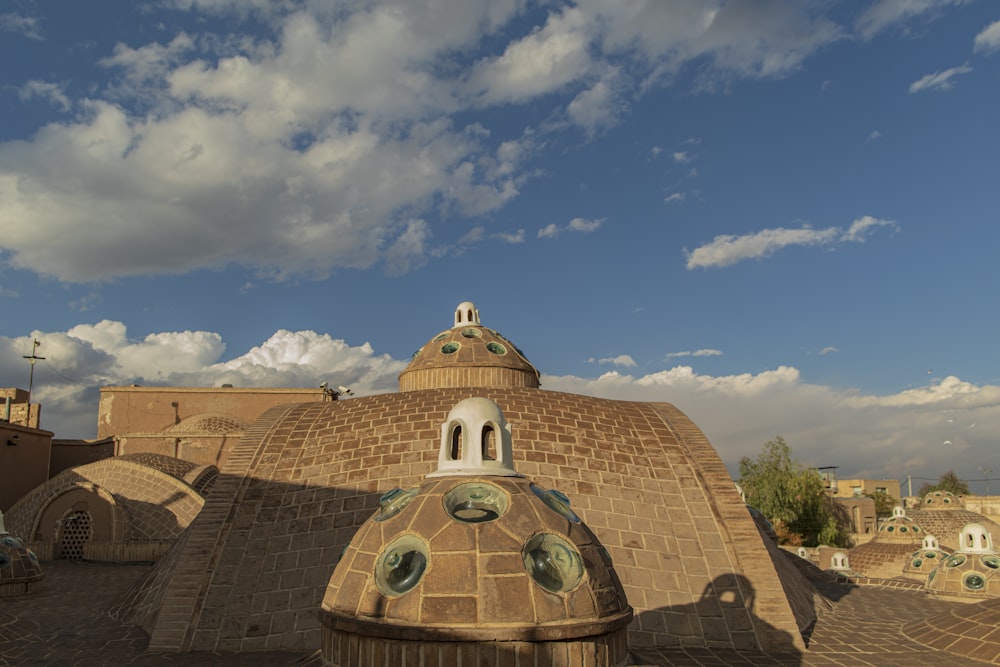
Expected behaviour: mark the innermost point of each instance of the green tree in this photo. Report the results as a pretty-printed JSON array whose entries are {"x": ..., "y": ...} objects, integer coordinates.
[
  {"x": 791, "y": 496},
  {"x": 884, "y": 503},
  {"x": 946, "y": 482}
]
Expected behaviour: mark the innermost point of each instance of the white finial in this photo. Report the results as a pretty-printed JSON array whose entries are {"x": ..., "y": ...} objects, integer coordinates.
[
  {"x": 476, "y": 441},
  {"x": 3, "y": 528},
  {"x": 466, "y": 314},
  {"x": 931, "y": 543},
  {"x": 840, "y": 561},
  {"x": 898, "y": 511}
]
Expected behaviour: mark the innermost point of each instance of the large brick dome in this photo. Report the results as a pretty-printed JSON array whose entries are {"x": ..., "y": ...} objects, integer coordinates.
[{"x": 250, "y": 572}]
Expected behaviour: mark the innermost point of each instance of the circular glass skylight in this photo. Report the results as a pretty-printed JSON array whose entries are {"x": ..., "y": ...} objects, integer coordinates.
[
  {"x": 552, "y": 562},
  {"x": 496, "y": 348},
  {"x": 476, "y": 502},
  {"x": 401, "y": 565},
  {"x": 393, "y": 502},
  {"x": 974, "y": 582}
]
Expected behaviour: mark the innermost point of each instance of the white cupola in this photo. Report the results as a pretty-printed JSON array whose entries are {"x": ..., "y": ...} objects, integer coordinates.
[
  {"x": 466, "y": 314},
  {"x": 476, "y": 441}
]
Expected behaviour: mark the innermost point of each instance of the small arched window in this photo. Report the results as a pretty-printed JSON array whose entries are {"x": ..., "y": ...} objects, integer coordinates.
[
  {"x": 489, "y": 443},
  {"x": 456, "y": 443}
]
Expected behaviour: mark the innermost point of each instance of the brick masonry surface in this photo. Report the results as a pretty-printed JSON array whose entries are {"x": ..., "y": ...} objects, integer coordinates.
[
  {"x": 65, "y": 622},
  {"x": 303, "y": 479}
]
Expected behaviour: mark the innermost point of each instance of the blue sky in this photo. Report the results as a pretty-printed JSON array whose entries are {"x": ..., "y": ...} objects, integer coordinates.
[{"x": 779, "y": 216}]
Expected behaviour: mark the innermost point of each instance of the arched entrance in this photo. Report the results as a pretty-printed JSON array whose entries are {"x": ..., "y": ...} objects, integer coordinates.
[{"x": 76, "y": 529}]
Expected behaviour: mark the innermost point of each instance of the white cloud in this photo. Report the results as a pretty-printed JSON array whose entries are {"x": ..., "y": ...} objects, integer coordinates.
[
  {"x": 707, "y": 352},
  {"x": 676, "y": 196},
  {"x": 868, "y": 435},
  {"x": 583, "y": 225},
  {"x": 863, "y": 226},
  {"x": 726, "y": 249},
  {"x": 28, "y": 26},
  {"x": 621, "y": 360},
  {"x": 828, "y": 350},
  {"x": 874, "y": 135},
  {"x": 314, "y": 146},
  {"x": 511, "y": 237},
  {"x": 988, "y": 40},
  {"x": 887, "y": 13},
  {"x": 81, "y": 360},
  {"x": 939, "y": 80},
  {"x": 546, "y": 60},
  {"x": 48, "y": 91},
  {"x": 599, "y": 106}
]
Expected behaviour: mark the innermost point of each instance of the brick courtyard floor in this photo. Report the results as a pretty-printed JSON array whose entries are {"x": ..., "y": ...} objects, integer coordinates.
[{"x": 65, "y": 622}]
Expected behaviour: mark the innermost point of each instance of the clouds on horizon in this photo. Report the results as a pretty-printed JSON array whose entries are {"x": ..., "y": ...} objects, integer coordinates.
[
  {"x": 727, "y": 249},
  {"x": 866, "y": 435}
]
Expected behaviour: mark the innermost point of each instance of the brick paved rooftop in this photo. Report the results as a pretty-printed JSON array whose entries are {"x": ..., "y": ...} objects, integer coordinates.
[{"x": 66, "y": 622}]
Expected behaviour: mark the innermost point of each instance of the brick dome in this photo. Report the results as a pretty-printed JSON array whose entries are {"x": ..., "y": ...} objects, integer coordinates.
[{"x": 468, "y": 355}]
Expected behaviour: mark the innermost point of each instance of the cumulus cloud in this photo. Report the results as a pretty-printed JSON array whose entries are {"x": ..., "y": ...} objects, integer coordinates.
[
  {"x": 988, "y": 40},
  {"x": 88, "y": 356},
  {"x": 315, "y": 145},
  {"x": 726, "y": 249},
  {"x": 681, "y": 157},
  {"x": 676, "y": 196},
  {"x": 890, "y": 13},
  {"x": 939, "y": 80},
  {"x": 828, "y": 350},
  {"x": 867, "y": 435},
  {"x": 583, "y": 225}
]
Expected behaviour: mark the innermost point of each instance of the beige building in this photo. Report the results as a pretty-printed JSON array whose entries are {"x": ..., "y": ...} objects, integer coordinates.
[
  {"x": 17, "y": 409},
  {"x": 854, "y": 488},
  {"x": 198, "y": 424},
  {"x": 24, "y": 460}
]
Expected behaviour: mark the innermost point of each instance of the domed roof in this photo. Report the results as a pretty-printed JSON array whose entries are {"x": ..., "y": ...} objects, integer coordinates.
[
  {"x": 970, "y": 572},
  {"x": 468, "y": 355},
  {"x": 476, "y": 554},
  {"x": 641, "y": 475},
  {"x": 19, "y": 566},
  {"x": 208, "y": 423},
  {"x": 899, "y": 529},
  {"x": 941, "y": 500},
  {"x": 925, "y": 559},
  {"x": 946, "y": 522}
]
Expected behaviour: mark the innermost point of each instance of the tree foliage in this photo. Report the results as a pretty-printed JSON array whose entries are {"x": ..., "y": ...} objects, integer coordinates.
[
  {"x": 884, "y": 503},
  {"x": 949, "y": 481},
  {"x": 791, "y": 496}
]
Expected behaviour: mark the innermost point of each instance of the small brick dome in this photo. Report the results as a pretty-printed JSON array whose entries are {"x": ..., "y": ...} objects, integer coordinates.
[
  {"x": 493, "y": 561},
  {"x": 468, "y": 355}
]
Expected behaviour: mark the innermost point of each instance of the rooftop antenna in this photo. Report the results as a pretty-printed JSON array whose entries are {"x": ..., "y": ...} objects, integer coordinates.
[{"x": 32, "y": 358}]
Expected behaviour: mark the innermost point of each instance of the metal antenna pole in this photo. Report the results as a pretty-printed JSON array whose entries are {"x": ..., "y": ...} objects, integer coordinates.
[
  {"x": 32, "y": 358},
  {"x": 986, "y": 470}
]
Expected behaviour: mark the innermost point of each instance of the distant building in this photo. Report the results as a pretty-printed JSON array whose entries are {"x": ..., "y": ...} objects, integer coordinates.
[
  {"x": 857, "y": 488},
  {"x": 198, "y": 424}
]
